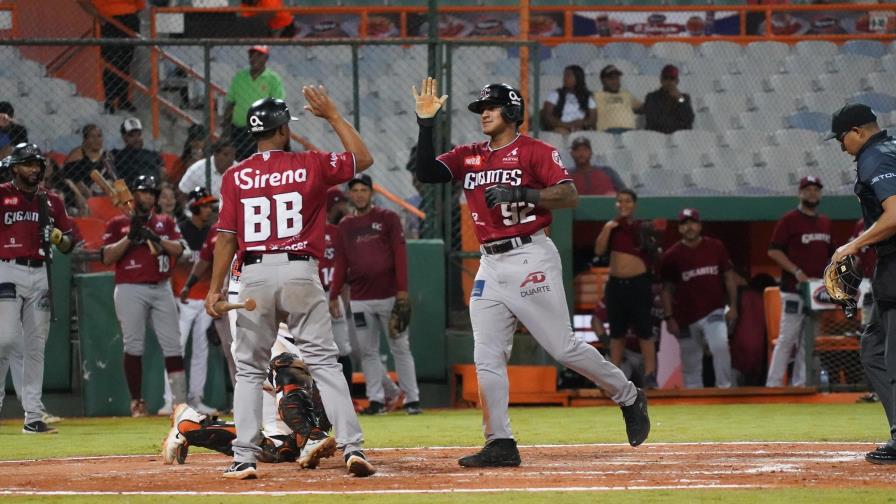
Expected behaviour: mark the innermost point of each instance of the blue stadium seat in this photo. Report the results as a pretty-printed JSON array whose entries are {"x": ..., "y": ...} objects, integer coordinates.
[
  {"x": 815, "y": 121},
  {"x": 879, "y": 102},
  {"x": 625, "y": 50},
  {"x": 869, "y": 48}
]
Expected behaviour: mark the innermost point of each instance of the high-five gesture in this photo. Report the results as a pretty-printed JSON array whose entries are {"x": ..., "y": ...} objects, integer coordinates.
[
  {"x": 319, "y": 102},
  {"x": 428, "y": 100}
]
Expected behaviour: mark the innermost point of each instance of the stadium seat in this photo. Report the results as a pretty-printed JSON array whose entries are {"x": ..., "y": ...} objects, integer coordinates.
[
  {"x": 720, "y": 50},
  {"x": 882, "y": 82},
  {"x": 798, "y": 64},
  {"x": 640, "y": 85},
  {"x": 601, "y": 143},
  {"x": 826, "y": 101},
  {"x": 774, "y": 103},
  {"x": 788, "y": 157},
  {"x": 645, "y": 140},
  {"x": 888, "y": 63},
  {"x": 594, "y": 67},
  {"x": 653, "y": 66},
  {"x": 739, "y": 84},
  {"x": 549, "y": 83},
  {"x": 760, "y": 120},
  {"x": 767, "y": 50},
  {"x": 706, "y": 121},
  {"x": 579, "y": 54},
  {"x": 625, "y": 51},
  {"x": 697, "y": 140},
  {"x": 815, "y": 121},
  {"x": 791, "y": 84},
  {"x": 773, "y": 180},
  {"x": 558, "y": 140},
  {"x": 796, "y": 138},
  {"x": 745, "y": 139},
  {"x": 101, "y": 207},
  {"x": 66, "y": 143},
  {"x": 868, "y": 48},
  {"x": 879, "y": 102},
  {"x": 552, "y": 67},
  {"x": 851, "y": 64},
  {"x": 91, "y": 230},
  {"x": 813, "y": 49}
]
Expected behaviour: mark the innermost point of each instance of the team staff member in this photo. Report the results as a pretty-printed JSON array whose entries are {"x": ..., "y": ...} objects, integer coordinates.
[
  {"x": 272, "y": 208},
  {"x": 629, "y": 294},
  {"x": 24, "y": 290},
  {"x": 337, "y": 208},
  {"x": 512, "y": 182},
  {"x": 248, "y": 86},
  {"x": 855, "y": 126},
  {"x": 371, "y": 257},
  {"x": 801, "y": 244},
  {"x": 697, "y": 277},
  {"x": 143, "y": 292}
]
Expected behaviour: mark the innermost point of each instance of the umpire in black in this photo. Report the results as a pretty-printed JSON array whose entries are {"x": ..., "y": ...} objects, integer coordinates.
[{"x": 855, "y": 127}]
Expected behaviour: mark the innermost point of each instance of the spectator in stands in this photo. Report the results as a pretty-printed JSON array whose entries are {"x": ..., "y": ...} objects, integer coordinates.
[
  {"x": 571, "y": 107},
  {"x": 616, "y": 107},
  {"x": 133, "y": 160},
  {"x": 281, "y": 23},
  {"x": 801, "y": 245},
  {"x": 194, "y": 150},
  {"x": 124, "y": 13},
  {"x": 590, "y": 179},
  {"x": 667, "y": 109},
  {"x": 56, "y": 181},
  {"x": 248, "y": 86},
  {"x": 629, "y": 290},
  {"x": 11, "y": 132},
  {"x": 89, "y": 156},
  {"x": 167, "y": 203},
  {"x": 222, "y": 158}
]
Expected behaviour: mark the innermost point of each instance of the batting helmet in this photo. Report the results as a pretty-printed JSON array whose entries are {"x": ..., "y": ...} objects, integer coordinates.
[
  {"x": 25, "y": 153},
  {"x": 200, "y": 196},
  {"x": 504, "y": 95},
  {"x": 146, "y": 183},
  {"x": 267, "y": 114}
]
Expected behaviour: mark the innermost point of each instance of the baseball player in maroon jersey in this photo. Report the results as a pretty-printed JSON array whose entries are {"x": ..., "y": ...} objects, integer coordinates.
[
  {"x": 143, "y": 288},
  {"x": 801, "y": 245},
  {"x": 698, "y": 280},
  {"x": 32, "y": 219},
  {"x": 511, "y": 182},
  {"x": 273, "y": 209},
  {"x": 371, "y": 257}
]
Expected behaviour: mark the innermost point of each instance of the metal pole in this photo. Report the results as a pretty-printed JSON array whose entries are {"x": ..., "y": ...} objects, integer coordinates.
[
  {"x": 356, "y": 87},
  {"x": 209, "y": 107}
]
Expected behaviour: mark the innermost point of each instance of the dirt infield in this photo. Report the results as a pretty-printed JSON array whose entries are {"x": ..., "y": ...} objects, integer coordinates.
[{"x": 435, "y": 470}]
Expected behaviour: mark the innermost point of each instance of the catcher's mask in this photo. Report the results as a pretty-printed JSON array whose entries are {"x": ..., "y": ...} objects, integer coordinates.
[{"x": 842, "y": 281}]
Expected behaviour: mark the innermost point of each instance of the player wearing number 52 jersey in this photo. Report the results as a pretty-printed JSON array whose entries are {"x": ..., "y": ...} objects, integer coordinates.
[
  {"x": 511, "y": 183},
  {"x": 143, "y": 288},
  {"x": 273, "y": 209}
]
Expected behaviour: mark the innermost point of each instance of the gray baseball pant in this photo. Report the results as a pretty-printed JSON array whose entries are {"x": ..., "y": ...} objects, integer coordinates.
[
  {"x": 713, "y": 331},
  {"x": 372, "y": 319},
  {"x": 24, "y": 327},
  {"x": 526, "y": 284},
  {"x": 791, "y": 330},
  {"x": 290, "y": 291}
]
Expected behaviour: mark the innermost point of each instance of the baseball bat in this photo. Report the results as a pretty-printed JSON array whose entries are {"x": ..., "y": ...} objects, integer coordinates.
[
  {"x": 120, "y": 197},
  {"x": 224, "y": 306}
]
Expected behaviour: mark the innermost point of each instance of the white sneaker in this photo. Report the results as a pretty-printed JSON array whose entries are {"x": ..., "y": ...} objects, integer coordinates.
[
  {"x": 165, "y": 410},
  {"x": 50, "y": 418},
  {"x": 314, "y": 451},
  {"x": 175, "y": 446},
  {"x": 204, "y": 409}
]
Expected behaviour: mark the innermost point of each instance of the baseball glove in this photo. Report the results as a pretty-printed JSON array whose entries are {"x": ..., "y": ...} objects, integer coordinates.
[
  {"x": 400, "y": 318},
  {"x": 842, "y": 280}
]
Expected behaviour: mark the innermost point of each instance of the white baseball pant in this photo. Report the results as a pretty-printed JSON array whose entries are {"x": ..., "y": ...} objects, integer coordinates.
[
  {"x": 789, "y": 342},
  {"x": 712, "y": 331},
  {"x": 371, "y": 319}
]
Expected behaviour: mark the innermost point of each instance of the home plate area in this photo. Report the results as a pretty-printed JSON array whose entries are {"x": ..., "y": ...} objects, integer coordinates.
[{"x": 434, "y": 470}]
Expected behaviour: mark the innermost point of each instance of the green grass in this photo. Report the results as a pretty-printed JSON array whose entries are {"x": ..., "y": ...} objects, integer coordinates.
[{"x": 748, "y": 422}]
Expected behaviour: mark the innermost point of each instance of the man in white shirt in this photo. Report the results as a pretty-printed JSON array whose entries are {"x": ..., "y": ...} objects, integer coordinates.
[{"x": 222, "y": 158}]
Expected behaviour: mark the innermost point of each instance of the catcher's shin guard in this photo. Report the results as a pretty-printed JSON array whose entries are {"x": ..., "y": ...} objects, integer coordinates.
[
  {"x": 277, "y": 449},
  {"x": 209, "y": 433},
  {"x": 297, "y": 398}
]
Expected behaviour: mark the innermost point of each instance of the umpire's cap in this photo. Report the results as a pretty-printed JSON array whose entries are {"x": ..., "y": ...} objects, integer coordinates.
[
  {"x": 504, "y": 95},
  {"x": 199, "y": 196},
  {"x": 25, "y": 153},
  {"x": 146, "y": 183},
  {"x": 361, "y": 178},
  {"x": 849, "y": 117},
  {"x": 267, "y": 114}
]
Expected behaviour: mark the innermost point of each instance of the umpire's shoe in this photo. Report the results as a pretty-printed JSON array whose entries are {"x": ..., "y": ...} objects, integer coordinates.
[
  {"x": 637, "y": 423},
  {"x": 38, "y": 427},
  {"x": 884, "y": 454},
  {"x": 241, "y": 470},
  {"x": 495, "y": 453},
  {"x": 357, "y": 464}
]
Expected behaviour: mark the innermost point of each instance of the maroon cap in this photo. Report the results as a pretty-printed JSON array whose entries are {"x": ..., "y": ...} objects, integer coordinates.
[
  {"x": 689, "y": 213},
  {"x": 810, "y": 180},
  {"x": 669, "y": 72},
  {"x": 334, "y": 197}
]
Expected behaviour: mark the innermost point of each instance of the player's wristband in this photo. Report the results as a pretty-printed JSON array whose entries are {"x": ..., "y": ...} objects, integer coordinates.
[{"x": 426, "y": 122}]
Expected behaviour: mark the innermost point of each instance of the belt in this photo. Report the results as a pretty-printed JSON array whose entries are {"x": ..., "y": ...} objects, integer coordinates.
[
  {"x": 31, "y": 263},
  {"x": 506, "y": 245},
  {"x": 257, "y": 258}
]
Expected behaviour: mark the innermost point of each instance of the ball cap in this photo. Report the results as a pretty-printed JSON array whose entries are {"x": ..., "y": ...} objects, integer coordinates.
[
  {"x": 334, "y": 197},
  {"x": 263, "y": 49},
  {"x": 810, "y": 180},
  {"x": 609, "y": 70},
  {"x": 688, "y": 214},
  {"x": 669, "y": 72},
  {"x": 580, "y": 141},
  {"x": 848, "y": 117},
  {"x": 361, "y": 178},
  {"x": 131, "y": 124}
]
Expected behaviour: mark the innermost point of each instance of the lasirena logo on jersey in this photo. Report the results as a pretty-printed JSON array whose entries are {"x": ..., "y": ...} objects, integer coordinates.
[
  {"x": 510, "y": 177},
  {"x": 249, "y": 178}
]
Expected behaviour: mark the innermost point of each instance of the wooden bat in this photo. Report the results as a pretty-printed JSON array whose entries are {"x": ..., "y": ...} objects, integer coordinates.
[
  {"x": 121, "y": 197},
  {"x": 224, "y": 306}
]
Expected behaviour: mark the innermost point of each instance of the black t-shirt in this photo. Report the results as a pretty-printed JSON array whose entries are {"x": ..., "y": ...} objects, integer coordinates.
[
  {"x": 876, "y": 181},
  {"x": 13, "y": 135},
  {"x": 194, "y": 236},
  {"x": 131, "y": 163},
  {"x": 79, "y": 171}
]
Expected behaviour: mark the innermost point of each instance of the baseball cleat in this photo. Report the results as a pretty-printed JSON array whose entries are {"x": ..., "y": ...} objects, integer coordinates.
[
  {"x": 357, "y": 464},
  {"x": 175, "y": 447},
  {"x": 138, "y": 408},
  {"x": 637, "y": 422},
  {"x": 241, "y": 470},
  {"x": 204, "y": 409},
  {"x": 374, "y": 408},
  {"x": 495, "y": 453},
  {"x": 413, "y": 408},
  {"x": 50, "y": 418},
  {"x": 38, "y": 427},
  {"x": 165, "y": 410},
  {"x": 315, "y": 450},
  {"x": 884, "y": 454}
]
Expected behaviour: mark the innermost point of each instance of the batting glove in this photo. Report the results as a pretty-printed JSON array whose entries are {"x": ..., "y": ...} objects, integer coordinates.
[{"x": 495, "y": 195}]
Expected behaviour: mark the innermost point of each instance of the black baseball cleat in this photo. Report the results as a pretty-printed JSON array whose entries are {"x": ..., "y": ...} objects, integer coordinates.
[
  {"x": 241, "y": 470},
  {"x": 38, "y": 427},
  {"x": 357, "y": 464},
  {"x": 495, "y": 453},
  {"x": 413, "y": 408},
  {"x": 884, "y": 454},
  {"x": 637, "y": 423},
  {"x": 374, "y": 408}
]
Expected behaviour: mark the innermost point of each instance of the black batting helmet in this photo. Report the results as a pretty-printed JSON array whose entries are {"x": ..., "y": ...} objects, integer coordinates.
[
  {"x": 25, "y": 153},
  {"x": 267, "y": 114},
  {"x": 146, "y": 183},
  {"x": 200, "y": 196},
  {"x": 504, "y": 95}
]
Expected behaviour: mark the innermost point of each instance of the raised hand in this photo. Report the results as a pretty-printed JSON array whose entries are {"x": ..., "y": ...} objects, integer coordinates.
[
  {"x": 319, "y": 102},
  {"x": 428, "y": 101}
]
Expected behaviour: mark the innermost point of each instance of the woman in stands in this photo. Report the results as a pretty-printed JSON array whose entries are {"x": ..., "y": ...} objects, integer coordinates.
[
  {"x": 629, "y": 296},
  {"x": 167, "y": 202},
  {"x": 194, "y": 150},
  {"x": 90, "y": 155},
  {"x": 571, "y": 107}
]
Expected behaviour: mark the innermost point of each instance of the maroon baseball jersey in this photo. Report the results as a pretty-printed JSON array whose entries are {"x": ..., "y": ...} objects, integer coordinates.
[
  {"x": 138, "y": 265},
  {"x": 207, "y": 252},
  {"x": 19, "y": 234},
  {"x": 327, "y": 263},
  {"x": 525, "y": 162},
  {"x": 698, "y": 275},
  {"x": 867, "y": 255},
  {"x": 806, "y": 240},
  {"x": 626, "y": 238},
  {"x": 371, "y": 256},
  {"x": 275, "y": 201}
]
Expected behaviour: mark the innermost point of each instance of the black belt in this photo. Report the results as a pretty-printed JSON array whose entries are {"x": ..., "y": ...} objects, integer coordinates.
[
  {"x": 32, "y": 263},
  {"x": 507, "y": 245},
  {"x": 256, "y": 258}
]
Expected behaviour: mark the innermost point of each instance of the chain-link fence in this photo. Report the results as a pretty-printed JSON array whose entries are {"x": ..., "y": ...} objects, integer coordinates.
[{"x": 832, "y": 341}]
